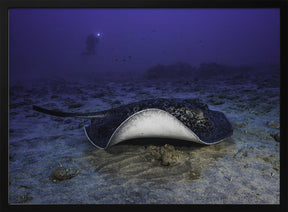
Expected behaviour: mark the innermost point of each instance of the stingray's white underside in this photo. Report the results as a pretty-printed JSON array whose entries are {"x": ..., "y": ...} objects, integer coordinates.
[{"x": 154, "y": 123}]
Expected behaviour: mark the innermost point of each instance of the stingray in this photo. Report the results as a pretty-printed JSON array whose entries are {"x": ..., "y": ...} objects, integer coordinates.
[{"x": 188, "y": 120}]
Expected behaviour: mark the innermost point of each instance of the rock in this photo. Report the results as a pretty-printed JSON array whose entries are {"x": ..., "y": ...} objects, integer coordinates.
[
  {"x": 167, "y": 154},
  {"x": 274, "y": 124},
  {"x": 240, "y": 125},
  {"x": 276, "y": 136},
  {"x": 165, "y": 159},
  {"x": 62, "y": 173},
  {"x": 25, "y": 198},
  {"x": 194, "y": 175}
]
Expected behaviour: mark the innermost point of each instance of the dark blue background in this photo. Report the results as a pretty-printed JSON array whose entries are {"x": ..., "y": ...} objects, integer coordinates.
[{"x": 49, "y": 42}]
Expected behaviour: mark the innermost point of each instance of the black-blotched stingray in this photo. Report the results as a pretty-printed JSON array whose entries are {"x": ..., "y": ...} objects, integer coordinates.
[{"x": 188, "y": 120}]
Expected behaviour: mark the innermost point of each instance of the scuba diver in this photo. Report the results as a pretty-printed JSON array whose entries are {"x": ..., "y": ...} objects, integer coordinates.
[{"x": 91, "y": 42}]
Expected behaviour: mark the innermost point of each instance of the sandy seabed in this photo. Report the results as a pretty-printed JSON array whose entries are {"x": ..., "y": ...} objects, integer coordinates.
[{"x": 243, "y": 169}]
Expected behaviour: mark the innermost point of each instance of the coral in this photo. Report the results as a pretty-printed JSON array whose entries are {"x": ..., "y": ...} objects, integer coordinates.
[
  {"x": 62, "y": 173},
  {"x": 167, "y": 154}
]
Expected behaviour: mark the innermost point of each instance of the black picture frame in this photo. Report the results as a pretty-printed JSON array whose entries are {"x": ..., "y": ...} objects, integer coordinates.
[{"x": 4, "y": 82}]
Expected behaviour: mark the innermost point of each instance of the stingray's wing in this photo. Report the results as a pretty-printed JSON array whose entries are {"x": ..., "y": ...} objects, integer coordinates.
[
  {"x": 153, "y": 123},
  {"x": 99, "y": 114}
]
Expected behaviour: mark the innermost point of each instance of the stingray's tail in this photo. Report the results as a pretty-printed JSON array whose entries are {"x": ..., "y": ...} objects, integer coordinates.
[{"x": 100, "y": 114}]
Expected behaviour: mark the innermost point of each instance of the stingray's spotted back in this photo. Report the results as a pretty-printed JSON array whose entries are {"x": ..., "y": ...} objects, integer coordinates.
[
  {"x": 209, "y": 126},
  {"x": 186, "y": 119}
]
